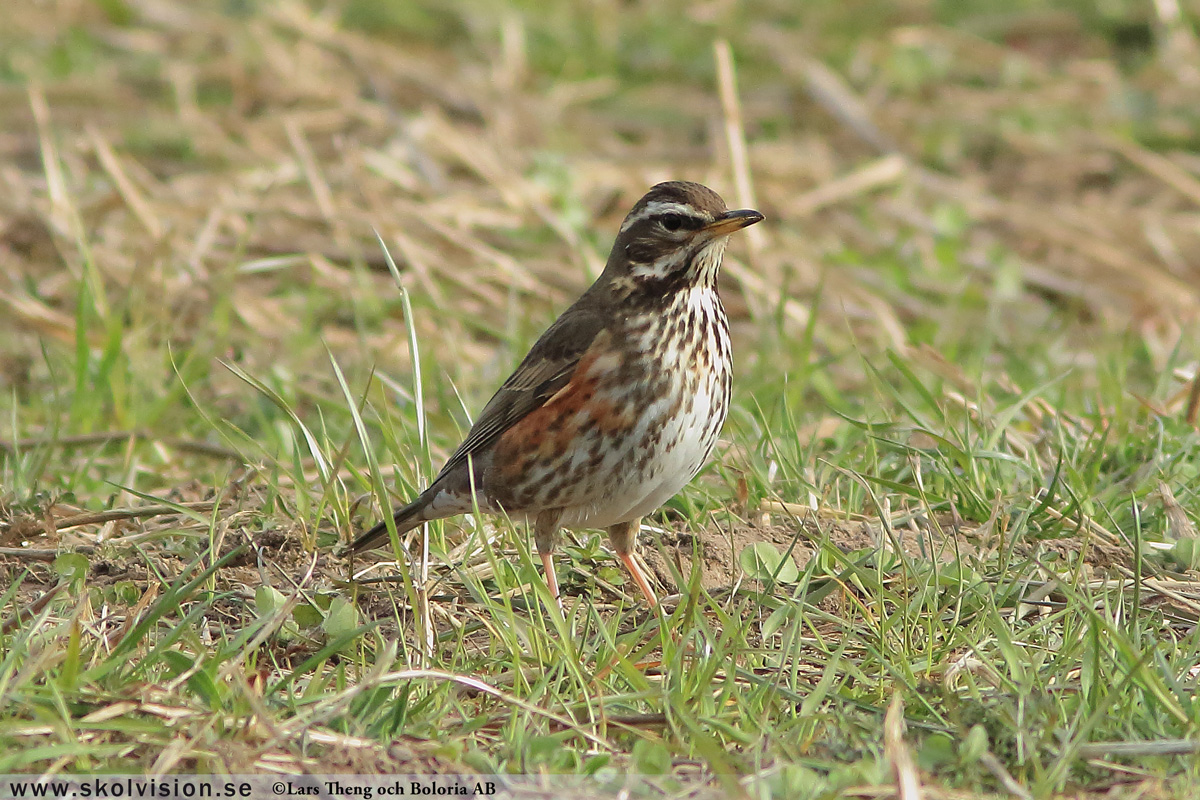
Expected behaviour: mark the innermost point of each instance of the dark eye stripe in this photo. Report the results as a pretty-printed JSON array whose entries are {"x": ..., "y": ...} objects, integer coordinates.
[{"x": 675, "y": 222}]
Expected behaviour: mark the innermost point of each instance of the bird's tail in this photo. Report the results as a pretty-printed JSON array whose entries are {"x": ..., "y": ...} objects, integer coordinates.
[{"x": 406, "y": 519}]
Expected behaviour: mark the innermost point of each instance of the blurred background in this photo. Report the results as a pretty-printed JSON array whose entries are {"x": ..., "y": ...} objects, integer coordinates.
[
  {"x": 971, "y": 316},
  {"x": 935, "y": 173},
  {"x": 999, "y": 199}
]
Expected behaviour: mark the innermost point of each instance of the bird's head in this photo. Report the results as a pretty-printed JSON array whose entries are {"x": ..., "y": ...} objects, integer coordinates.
[{"x": 673, "y": 238}]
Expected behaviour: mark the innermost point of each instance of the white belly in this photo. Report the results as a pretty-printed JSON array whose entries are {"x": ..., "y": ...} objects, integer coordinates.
[{"x": 687, "y": 440}]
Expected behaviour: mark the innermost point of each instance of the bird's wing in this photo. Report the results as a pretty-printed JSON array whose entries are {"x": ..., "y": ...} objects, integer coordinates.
[{"x": 547, "y": 369}]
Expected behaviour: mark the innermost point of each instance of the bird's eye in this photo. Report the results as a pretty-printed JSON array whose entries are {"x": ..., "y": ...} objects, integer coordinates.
[{"x": 672, "y": 222}]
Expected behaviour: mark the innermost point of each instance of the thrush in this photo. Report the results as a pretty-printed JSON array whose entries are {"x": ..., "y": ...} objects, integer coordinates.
[{"x": 619, "y": 403}]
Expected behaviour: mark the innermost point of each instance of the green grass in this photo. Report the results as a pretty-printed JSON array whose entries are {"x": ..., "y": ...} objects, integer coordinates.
[{"x": 965, "y": 445}]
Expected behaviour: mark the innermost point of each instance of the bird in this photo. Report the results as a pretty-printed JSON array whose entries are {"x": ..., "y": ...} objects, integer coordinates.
[{"x": 618, "y": 404}]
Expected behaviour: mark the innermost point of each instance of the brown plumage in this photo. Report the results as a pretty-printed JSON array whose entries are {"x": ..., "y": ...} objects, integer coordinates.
[{"x": 620, "y": 401}]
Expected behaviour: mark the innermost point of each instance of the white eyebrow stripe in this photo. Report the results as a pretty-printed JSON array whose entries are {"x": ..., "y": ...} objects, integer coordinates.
[{"x": 656, "y": 207}]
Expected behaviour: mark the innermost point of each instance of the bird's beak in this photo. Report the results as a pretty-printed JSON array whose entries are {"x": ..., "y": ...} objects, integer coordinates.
[{"x": 732, "y": 221}]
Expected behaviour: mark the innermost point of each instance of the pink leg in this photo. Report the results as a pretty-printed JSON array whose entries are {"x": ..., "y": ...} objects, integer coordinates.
[
  {"x": 639, "y": 577},
  {"x": 623, "y": 537},
  {"x": 551, "y": 578},
  {"x": 545, "y": 535}
]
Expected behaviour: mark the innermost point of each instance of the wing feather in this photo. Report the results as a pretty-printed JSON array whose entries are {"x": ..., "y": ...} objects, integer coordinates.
[{"x": 546, "y": 369}]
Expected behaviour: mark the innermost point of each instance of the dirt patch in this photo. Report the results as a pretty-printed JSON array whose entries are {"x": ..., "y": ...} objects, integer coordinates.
[{"x": 717, "y": 548}]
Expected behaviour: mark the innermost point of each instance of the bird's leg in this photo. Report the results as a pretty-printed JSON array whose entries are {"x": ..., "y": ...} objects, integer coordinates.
[
  {"x": 623, "y": 536},
  {"x": 545, "y": 535}
]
